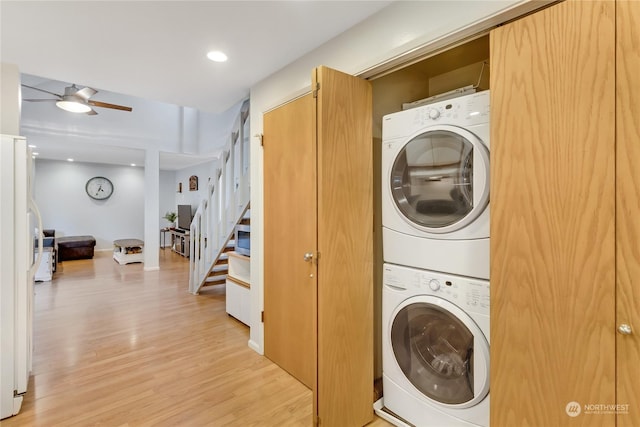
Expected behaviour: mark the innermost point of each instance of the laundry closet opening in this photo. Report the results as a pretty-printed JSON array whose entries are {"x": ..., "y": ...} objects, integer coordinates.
[{"x": 459, "y": 69}]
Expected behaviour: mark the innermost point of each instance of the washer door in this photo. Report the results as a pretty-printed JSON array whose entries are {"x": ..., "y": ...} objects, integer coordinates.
[
  {"x": 441, "y": 351},
  {"x": 440, "y": 179}
]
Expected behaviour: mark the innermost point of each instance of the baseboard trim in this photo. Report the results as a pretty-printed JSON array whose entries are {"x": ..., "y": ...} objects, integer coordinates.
[{"x": 255, "y": 347}]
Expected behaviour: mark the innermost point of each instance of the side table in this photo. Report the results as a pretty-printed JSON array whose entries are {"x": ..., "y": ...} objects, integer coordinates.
[{"x": 163, "y": 236}]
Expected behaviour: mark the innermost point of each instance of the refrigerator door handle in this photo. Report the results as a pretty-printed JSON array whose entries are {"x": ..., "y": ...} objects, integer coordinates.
[{"x": 36, "y": 211}]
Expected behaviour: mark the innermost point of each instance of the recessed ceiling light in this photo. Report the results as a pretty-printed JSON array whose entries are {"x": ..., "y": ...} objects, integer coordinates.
[
  {"x": 35, "y": 154},
  {"x": 32, "y": 146},
  {"x": 133, "y": 164},
  {"x": 217, "y": 56},
  {"x": 69, "y": 160}
]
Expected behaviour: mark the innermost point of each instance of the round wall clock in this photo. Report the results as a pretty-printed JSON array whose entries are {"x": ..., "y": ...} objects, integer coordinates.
[{"x": 99, "y": 188}]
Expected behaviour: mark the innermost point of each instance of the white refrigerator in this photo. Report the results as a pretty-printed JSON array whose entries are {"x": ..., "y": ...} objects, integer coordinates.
[{"x": 20, "y": 223}]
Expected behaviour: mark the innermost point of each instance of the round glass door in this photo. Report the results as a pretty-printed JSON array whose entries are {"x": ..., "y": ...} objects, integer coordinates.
[
  {"x": 440, "y": 179},
  {"x": 436, "y": 351}
]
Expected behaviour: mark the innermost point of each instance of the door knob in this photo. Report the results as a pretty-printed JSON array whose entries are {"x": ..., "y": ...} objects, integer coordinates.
[
  {"x": 308, "y": 257},
  {"x": 625, "y": 329}
]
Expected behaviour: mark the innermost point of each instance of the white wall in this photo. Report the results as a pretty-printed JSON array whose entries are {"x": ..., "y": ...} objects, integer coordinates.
[
  {"x": 214, "y": 130},
  {"x": 401, "y": 30},
  {"x": 9, "y": 99},
  {"x": 66, "y": 207},
  {"x": 203, "y": 171},
  {"x": 167, "y": 200}
]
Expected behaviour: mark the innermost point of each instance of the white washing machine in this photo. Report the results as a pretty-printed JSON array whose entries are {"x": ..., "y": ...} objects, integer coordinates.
[
  {"x": 435, "y": 347},
  {"x": 435, "y": 186}
]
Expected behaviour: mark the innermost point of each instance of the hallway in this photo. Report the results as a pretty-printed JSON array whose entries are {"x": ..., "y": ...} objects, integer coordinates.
[{"x": 115, "y": 345}]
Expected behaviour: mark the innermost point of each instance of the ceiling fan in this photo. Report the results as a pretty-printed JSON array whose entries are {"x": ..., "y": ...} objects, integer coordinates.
[{"x": 76, "y": 100}]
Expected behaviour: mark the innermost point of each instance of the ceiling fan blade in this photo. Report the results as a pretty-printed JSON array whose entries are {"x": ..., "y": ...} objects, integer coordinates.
[
  {"x": 106, "y": 105},
  {"x": 42, "y": 90},
  {"x": 41, "y": 100},
  {"x": 92, "y": 112},
  {"x": 86, "y": 93}
]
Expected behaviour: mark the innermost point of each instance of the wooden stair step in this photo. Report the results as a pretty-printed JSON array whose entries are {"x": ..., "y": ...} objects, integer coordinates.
[
  {"x": 214, "y": 282},
  {"x": 219, "y": 267},
  {"x": 216, "y": 276}
]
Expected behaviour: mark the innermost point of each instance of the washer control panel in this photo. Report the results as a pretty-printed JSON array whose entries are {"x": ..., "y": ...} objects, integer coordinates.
[{"x": 472, "y": 295}]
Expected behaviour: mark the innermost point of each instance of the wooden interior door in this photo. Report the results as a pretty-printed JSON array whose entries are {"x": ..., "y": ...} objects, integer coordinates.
[
  {"x": 552, "y": 216},
  {"x": 628, "y": 209},
  {"x": 344, "y": 394},
  {"x": 290, "y": 213}
]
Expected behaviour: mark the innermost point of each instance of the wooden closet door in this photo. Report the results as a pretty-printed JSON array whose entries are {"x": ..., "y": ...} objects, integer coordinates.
[
  {"x": 552, "y": 216},
  {"x": 345, "y": 243},
  {"x": 290, "y": 219},
  {"x": 628, "y": 209}
]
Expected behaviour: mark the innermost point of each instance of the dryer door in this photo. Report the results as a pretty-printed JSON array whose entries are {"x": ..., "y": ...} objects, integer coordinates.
[
  {"x": 440, "y": 179},
  {"x": 441, "y": 351}
]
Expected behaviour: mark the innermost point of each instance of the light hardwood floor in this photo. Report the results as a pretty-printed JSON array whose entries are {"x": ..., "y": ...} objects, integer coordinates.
[{"x": 117, "y": 346}]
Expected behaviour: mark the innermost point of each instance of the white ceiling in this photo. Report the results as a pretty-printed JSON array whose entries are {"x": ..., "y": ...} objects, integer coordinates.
[{"x": 157, "y": 49}]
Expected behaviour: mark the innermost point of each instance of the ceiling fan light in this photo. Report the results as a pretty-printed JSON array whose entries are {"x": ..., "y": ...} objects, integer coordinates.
[{"x": 73, "y": 106}]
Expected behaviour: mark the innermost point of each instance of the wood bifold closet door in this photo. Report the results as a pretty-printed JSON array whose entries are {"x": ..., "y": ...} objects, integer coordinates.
[
  {"x": 628, "y": 208},
  {"x": 321, "y": 309},
  {"x": 565, "y": 203},
  {"x": 290, "y": 208}
]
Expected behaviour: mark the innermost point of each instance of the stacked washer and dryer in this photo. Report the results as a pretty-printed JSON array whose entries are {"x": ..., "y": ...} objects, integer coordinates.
[{"x": 435, "y": 300}]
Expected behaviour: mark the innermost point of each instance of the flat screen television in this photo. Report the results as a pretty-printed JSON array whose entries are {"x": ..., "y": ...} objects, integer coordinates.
[{"x": 184, "y": 217}]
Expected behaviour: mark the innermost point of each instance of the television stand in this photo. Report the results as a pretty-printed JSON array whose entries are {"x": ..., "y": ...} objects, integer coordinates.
[{"x": 180, "y": 242}]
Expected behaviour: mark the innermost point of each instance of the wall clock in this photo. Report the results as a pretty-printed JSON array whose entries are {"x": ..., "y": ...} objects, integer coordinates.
[{"x": 99, "y": 188}]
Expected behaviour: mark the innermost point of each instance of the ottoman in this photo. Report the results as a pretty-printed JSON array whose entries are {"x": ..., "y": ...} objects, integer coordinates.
[
  {"x": 75, "y": 247},
  {"x": 126, "y": 251}
]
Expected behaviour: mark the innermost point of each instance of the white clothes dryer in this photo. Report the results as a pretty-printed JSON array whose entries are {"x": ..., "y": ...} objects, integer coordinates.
[
  {"x": 435, "y": 347},
  {"x": 435, "y": 186}
]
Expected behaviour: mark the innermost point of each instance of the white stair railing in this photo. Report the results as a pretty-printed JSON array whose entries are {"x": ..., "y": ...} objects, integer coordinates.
[{"x": 225, "y": 203}]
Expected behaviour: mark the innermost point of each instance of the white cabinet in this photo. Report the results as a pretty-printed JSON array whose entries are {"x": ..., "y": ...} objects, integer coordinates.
[
  {"x": 45, "y": 269},
  {"x": 238, "y": 288},
  {"x": 238, "y": 301}
]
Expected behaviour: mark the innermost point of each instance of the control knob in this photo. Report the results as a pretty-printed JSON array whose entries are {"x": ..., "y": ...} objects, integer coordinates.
[
  {"x": 434, "y": 114},
  {"x": 434, "y": 284}
]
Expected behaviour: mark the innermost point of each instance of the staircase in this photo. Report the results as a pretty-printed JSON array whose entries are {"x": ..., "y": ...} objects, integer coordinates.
[
  {"x": 217, "y": 274},
  {"x": 226, "y": 204}
]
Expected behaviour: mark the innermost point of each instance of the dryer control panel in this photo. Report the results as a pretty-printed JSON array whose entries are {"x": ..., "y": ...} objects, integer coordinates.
[
  {"x": 472, "y": 295},
  {"x": 465, "y": 111}
]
